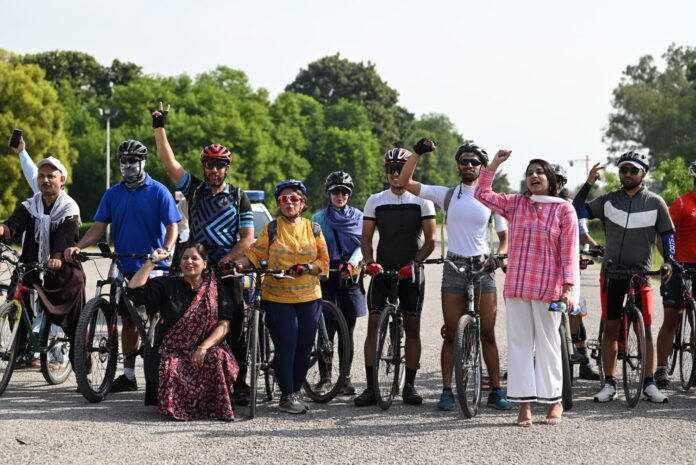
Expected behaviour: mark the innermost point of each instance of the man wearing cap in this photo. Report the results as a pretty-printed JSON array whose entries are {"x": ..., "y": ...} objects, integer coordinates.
[
  {"x": 51, "y": 220},
  {"x": 633, "y": 218},
  {"x": 143, "y": 215}
]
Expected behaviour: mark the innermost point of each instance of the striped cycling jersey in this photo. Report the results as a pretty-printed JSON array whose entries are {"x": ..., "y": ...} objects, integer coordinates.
[{"x": 213, "y": 219}]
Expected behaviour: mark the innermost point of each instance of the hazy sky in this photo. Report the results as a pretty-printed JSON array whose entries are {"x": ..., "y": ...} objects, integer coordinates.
[{"x": 535, "y": 76}]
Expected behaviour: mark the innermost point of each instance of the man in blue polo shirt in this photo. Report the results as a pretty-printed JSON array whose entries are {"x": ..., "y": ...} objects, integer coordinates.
[{"x": 143, "y": 215}]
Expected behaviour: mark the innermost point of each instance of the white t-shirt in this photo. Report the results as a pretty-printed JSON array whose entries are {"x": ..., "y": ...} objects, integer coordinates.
[{"x": 467, "y": 219}]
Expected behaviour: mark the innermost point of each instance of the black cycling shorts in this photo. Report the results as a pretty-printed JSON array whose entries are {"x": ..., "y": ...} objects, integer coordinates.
[{"x": 410, "y": 294}]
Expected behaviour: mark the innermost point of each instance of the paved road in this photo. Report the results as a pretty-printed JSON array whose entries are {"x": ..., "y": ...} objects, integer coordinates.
[{"x": 55, "y": 424}]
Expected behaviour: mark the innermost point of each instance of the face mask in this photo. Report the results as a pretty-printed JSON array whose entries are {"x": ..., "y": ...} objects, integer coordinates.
[{"x": 133, "y": 174}]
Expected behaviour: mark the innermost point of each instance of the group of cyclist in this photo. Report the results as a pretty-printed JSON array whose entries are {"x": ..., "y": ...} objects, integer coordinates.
[{"x": 538, "y": 229}]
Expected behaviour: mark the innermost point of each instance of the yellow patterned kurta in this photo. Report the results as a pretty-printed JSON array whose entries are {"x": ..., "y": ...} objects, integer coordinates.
[{"x": 294, "y": 244}]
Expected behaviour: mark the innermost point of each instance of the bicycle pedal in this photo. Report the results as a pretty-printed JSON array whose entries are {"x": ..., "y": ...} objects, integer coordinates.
[{"x": 593, "y": 344}]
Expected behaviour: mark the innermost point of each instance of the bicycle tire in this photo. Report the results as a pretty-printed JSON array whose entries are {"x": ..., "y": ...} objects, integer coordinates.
[
  {"x": 687, "y": 345},
  {"x": 269, "y": 376},
  {"x": 567, "y": 390},
  {"x": 253, "y": 360},
  {"x": 9, "y": 346},
  {"x": 96, "y": 340},
  {"x": 467, "y": 365},
  {"x": 327, "y": 354},
  {"x": 388, "y": 366},
  {"x": 674, "y": 354},
  {"x": 634, "y": 356},
  {"x": 55, "y": 350},
  {"x": 151, "y": 360}
]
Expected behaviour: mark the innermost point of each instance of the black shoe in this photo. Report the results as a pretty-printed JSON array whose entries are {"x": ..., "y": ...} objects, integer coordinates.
[
  {"x": 123, "y": 384},
  {"x": 347, "y": 389},
  {"x": 366, "y": 398},
  {"x": 240, "y": 396},
  {"x": 588, "y": 372},
  {"x": 410, "y": 396}
]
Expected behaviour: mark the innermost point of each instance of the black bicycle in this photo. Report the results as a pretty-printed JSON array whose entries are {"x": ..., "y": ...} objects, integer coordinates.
[
  {"x": 684, "y": 345},
  {"x": 96, "y": 337}
]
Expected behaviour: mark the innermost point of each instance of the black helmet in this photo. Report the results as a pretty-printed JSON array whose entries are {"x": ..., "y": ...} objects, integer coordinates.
[
  {"x": 472, "y": 148},
  {"x": 560, "y": 172},
  {"x": 635, "y": 158},
  {"x": 339, "y": 179},
  {"x": 133, "y": 148}
]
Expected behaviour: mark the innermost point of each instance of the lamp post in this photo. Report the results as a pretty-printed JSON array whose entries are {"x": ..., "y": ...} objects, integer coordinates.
[
  {"x": 587, "y": 163},
  {"x": 107, "y": 114}
]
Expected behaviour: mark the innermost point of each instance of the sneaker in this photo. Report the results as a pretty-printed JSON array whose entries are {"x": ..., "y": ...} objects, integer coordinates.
[
  {"x": 301, "y": 400},
  {"x": 289, "y": 404},
  {"x": 446, "y": 401},
  {"x": 323, "y": 386},
  {"x": 347, "y": 389},
  {"x": 366, "y": 398},
  {"x": 653, "y": 394},
  {"x": 123, "y": 384},
  {"x": 607, "y": 394},
  {"x": 661, "y": 377},
  {"x": 588, "y": 372},
  {"x": 410, "y": 396},
  {"x": 497, "y": 399}
]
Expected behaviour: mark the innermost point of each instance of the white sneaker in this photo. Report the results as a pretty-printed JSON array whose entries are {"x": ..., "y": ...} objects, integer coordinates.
[
  {"x": 653, "y": 394},
  {"x": 607, "y": 394},
  {"x": 289, "y": 404}
]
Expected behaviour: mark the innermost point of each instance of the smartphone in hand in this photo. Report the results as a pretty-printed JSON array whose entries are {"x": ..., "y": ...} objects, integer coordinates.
[{"x": 14, "y": 140}]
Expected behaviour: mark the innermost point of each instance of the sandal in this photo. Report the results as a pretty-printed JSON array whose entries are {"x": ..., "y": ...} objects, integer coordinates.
[{"x": 554, "y": 416}]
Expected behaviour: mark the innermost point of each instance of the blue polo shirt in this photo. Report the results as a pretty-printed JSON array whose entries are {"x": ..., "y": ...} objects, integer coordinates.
[{"x": 138, "y": 218}]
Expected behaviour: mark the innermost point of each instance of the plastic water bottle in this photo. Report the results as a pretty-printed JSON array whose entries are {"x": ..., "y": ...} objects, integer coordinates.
[
  {"x": 581, "y": 308},
  {"x": 558, "y": 306}
]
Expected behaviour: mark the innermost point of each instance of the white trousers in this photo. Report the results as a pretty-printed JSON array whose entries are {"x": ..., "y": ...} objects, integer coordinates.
[{"x": 535, "y": 373}]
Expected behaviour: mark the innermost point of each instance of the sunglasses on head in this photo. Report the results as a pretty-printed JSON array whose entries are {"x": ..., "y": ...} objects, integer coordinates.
[
  {"x": 394, "y": 168},
  {"x": 289, "y": 198},
  {"x": 469, "y": 162},
  {"x": 129, "y": 160},
  {"x": 212, "y": 164},
  {"x": 629, "y": 169},
  {"x": 340, "y": 192}
]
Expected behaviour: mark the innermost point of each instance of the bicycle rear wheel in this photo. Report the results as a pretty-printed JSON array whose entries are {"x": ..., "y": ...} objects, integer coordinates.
[
  {"x": 96, "y": 349},
  {"x": 328, "y": 361},
  {"x": 9, "y": 342},
  {"x": 467, "y": 365},
  {"x": 634, "y": 355},
  {"x": 687, "y": 345},
  {"x": 55, "y": 350},
  {"x": 567, "y": 391},
  {"x": 389, "y": 360},
  {"x": 253, "y": 359}
]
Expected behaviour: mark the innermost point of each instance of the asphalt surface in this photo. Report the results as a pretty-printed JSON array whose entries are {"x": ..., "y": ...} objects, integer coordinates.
[{"x": 55, "y": 424}]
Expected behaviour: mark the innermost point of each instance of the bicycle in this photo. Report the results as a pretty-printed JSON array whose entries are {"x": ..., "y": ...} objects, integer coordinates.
[
  {"x": 17, "y": 337},
  {"x": 390, "y": 351},
  {"x": 468, "y": 367},
  {"x": 594, "y": 345},
  {"x": 684, "y": 345},
  {"x": 631, "y": 341},
  {"x": 96, "y": 337}
]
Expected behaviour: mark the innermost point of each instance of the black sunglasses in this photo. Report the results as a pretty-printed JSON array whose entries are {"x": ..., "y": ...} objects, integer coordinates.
[
  {"x": 629, "y": 169},
  {"x": 129, "y": 160},
  {"x": 340, "y": 191},
  {"x": 469, "y": 162},
  {"x": 394, "y": 168},
  {"x": 219, "y": 164}
]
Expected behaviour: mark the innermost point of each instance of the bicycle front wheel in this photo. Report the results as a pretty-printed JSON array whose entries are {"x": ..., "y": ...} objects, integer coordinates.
[
  {"x": 467, "y": 365},
  {"x": 55, "y": 350},
  {"x": 253, "y": 359},
  {"x": 96, "y": 349},
  {"x": 389, "y": 360},
  {"x": 674, "y": 354},
  {"x": 567, "y": 391},
  {"x": 328, "y": 367},
  {"x": 687, "y": 346},
  {"x": 9, "y": 342},
  {"x": 634, "y": 356}
]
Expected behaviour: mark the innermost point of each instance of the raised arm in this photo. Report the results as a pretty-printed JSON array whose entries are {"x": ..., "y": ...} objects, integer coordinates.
[
  {"x": 484, "y": 187},
  {"x": 406, "y": 178},
  {"x": 174, "y": 169},
  {"x": 28, "y": 166}
]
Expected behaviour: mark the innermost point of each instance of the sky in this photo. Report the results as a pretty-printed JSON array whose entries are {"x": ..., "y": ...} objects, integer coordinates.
[{"x": 535, "y": 77}]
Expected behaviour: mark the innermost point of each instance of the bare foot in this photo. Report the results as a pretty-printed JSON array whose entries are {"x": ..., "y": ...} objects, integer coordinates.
[
  {"x": 524, "y": 419},
  {"x": 554, "y": 414}
]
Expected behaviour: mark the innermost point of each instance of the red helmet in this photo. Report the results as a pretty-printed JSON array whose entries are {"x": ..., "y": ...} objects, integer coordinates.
[
  {"x": 396, "y": 155},
  {"x": 216, "y": 152}
]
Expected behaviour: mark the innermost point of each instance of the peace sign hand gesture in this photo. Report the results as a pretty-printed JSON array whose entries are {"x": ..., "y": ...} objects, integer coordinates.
[{"x": 159, "y": 117}]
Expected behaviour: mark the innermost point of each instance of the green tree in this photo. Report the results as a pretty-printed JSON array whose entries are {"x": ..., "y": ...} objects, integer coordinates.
[
  {"x": 673, "y": 178},
  {"x": 501, "y": 183},
  {"x": 30, "y": 103},
  {"x": 656, "y": 109}
]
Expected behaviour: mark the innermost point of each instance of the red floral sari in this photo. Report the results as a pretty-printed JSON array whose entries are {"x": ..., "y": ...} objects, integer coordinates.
[{"x": 187, "y": 393}]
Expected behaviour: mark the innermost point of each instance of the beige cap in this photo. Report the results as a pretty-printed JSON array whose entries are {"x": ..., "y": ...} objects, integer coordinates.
[{"x": 53, "y": 161}]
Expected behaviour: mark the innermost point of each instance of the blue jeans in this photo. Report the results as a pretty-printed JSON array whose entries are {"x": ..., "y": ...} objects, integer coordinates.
[{"x": 293, "y": 328}]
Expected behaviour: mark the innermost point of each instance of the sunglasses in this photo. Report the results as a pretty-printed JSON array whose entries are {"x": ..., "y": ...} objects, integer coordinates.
[
  {"x": 629, "y": 169},
  {"x": 128, "y": 160},
  {"x": 469, "y": 162},
  {"x": 289, "y": 198},
  {"x": 212, "y": 164},
  {"x": 340, "y": 192},
  {"x": 394, "y": 168}
]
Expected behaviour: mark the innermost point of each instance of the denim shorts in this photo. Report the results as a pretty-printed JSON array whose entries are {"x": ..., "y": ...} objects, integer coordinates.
[{"x": 454, "y": 282}]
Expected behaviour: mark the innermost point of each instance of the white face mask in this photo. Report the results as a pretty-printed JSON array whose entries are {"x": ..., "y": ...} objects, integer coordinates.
[{"x": 133, "y": 173}]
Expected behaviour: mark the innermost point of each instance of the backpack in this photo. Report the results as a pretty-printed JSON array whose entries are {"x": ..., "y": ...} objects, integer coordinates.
[{"x": 273, "y": 231}]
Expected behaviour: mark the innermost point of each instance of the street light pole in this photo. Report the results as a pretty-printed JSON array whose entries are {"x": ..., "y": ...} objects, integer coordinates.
[
  {"x": 586, "y": 160},
  {"x": 107, "y": 114}
]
